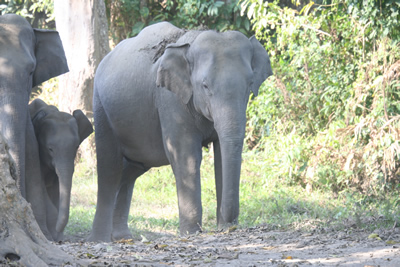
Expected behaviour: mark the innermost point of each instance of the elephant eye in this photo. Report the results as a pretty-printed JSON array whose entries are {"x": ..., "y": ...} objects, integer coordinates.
[
  {"x": 206, "y": 88},
  {"x": 51, "y": 149}
]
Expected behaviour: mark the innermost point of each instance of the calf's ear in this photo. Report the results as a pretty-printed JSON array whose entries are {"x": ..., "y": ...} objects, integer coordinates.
[
  {"x": 35, "y": 106},
  {"x": 85, "y": 128},
  {"x": 37, "y": 111}
]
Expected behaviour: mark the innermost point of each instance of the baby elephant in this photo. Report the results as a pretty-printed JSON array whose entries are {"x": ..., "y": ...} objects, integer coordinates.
[{"x": 59, "y": 135}]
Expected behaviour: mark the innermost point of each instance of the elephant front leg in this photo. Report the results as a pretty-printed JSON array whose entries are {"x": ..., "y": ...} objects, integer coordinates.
[{"x": 185, "y": 156}]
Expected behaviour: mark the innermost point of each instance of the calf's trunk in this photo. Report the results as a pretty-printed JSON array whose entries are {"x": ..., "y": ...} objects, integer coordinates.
[{"x": 64, "y": 173}]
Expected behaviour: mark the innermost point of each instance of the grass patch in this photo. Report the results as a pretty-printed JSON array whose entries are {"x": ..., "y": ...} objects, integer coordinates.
[{"x": 264, "y": 199}]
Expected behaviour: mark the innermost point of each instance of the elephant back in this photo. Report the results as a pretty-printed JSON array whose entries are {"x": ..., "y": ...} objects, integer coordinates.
[{"x": 152, "y": 39}]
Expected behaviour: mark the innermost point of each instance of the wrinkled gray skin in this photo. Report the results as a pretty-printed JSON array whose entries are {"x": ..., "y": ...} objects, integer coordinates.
[
  {"x": 59, "y": 135},
  {"x": 155, "y": 107},
  {"x": 28, "y": 57}
]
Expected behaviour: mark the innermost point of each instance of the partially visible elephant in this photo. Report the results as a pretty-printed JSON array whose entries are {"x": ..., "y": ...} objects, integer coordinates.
[
  {"x": 28, "y": 57},
  {"x": 59, "y": 135},
  {"x": 158, "y": 98}
]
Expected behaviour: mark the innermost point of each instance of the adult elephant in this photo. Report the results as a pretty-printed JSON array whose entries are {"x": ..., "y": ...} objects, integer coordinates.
[
  {"x": 28, "y": 57},
  {"x": 160, "y": 97},
  {"x": 59, "y": 135}
]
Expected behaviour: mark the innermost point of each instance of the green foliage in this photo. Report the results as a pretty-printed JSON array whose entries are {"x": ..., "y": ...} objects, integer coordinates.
[
  {"x": 40, "y": 13},
  {"x": 217, "y": 15},
  {"x": 334, "y": 93},
  {"x": 128, "y": 17}
]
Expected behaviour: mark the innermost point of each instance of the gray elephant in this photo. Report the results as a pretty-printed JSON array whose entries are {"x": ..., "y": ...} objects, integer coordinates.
[
  {"x": 59, "y": 135},
  {"x": 28, "y": 57},
  {"x": 158, "y": 98}
]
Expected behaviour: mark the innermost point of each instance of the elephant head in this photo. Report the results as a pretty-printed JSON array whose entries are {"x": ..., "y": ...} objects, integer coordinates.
[
  {"x": 59, "y": 135},
  {"x": 27, "y": 57},
  {"x": 215, "y": 73}
]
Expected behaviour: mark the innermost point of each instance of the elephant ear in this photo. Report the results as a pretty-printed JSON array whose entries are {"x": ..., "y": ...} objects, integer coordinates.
[
  {"x": 35, "y": 106},
  {"x": 85, "y": 128},
  {"x": 38, "y": 112},
  {"x": 50, "y": 56},
  {"x": 174, "y": 71},
  {"x": 261, "y": 65}
]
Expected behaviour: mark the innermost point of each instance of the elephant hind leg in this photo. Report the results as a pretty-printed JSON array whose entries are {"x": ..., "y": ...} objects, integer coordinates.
[
  {"x": 109, "y": 169},
  {"x": 130, "y": 173}
]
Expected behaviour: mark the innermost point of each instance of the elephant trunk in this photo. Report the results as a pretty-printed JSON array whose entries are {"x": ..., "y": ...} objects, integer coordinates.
[
  {"x": 13, "y": 123},
  {"x": 231, "y": 166},
  {"x": 231, "y": 136},
  {"x": 64, "y": 173}
]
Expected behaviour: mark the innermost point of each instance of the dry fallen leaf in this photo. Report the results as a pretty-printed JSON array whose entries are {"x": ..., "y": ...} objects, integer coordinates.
[
  {"x": 232, "y": 229},
  {"x": 286, "y": 257},
  {"x": 376, "y": 236},
  {"x": 391, "y": 242},
  {"x": 125, "y": 241},
  {"x": 144, "y": 239},
  {"x": 228, "y": 256},
  {"x": 161, "y": 246},
  {"x": 207, "y": 260},
  {"x": 91, "y": 256},
  {"x": 268, "y": 248}
]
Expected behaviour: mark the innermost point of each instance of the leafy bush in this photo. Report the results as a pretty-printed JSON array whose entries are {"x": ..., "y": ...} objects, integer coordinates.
[
  {"x": 128, "y": 17},
  {"x": 336, "y": 71},
  {"x": 38, "y": 12}
]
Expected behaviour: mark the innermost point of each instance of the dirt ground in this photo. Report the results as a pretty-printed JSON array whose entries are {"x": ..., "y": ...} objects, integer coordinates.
[{"x": 258, "y": 246}]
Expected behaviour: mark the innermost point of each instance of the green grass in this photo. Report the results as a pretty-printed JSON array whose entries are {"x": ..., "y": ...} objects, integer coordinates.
[{"x": 265, "y": 199}]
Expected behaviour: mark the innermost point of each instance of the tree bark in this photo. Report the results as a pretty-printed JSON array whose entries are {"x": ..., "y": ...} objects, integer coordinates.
[
  {"x": 21, "y": 239},
  {"x": 84, "y": 32},
  {"x": 83, "y": 29}
]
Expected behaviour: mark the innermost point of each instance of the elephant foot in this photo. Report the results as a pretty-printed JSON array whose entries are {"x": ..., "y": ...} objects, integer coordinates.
[
  {"x": 58, "y": 237},
  {"x": 224, "y": 226},
  {"x": 47, "y": 234},
  {"x": 190, "y": 230},
  {"x": 119, "y": 234},
  {"x": 96, "y": 237}
]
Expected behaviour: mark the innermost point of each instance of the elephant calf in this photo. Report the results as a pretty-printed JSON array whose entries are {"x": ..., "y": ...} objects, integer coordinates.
[{"x": 59, "y": 135}]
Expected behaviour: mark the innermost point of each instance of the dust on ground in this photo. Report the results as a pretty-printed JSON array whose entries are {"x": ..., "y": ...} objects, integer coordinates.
[{"x": 257, "y": 246}]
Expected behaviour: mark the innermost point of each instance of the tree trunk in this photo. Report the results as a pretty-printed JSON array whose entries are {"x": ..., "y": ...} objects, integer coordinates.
[
  {"x": 21, "y": 239},
  {"x": 83, "y": 29},
  {"x": 84, "y": 32}
]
